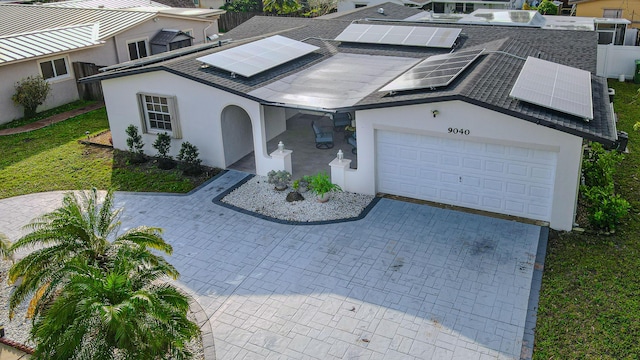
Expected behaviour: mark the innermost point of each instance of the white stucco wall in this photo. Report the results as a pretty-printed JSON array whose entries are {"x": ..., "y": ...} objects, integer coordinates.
[
  {"x": 345, "y": 5},
  {"x": 484, "y": 126},
  {"x": 62, "y": 91},
  {"x": 200, "y": 108}
]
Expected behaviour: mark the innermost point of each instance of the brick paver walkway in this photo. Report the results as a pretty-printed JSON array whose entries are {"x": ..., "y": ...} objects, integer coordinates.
[{"x": 406, "y": 282}]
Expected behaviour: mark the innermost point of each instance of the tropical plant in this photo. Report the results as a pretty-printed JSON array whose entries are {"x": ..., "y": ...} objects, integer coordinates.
[
  {"x": 546, "y": 7},
  {"x": 31, "y": 92},
  {"x": 188, "y": 154},
  {"x": 243, "y": 6},
  {"x": 315, "y": 8},
  {"x": 162, "y": 145},
  {"x": 280, "y": 179},
  {"x": 80, "y": 229},
  {"x": 120, "y": 310},
  {"x": 5, "y": 247},
  {"x": 321, "y": 184},
  {"x": 135, "y": 144},
  {"x": 281, "y": 6}
]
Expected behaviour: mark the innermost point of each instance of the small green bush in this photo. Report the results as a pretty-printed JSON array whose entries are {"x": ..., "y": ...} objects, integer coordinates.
[
  {"x": 599, "y": 165},
  {"x": 163, "y": 144},
  {"x": 280, "y": 179},
  {"x": 546, "y": 7},
  {"x": 31, "y": 92},
  {"x": 605, "y": 208},
  {"x": 321, "y": 184},
  {"x": 135, "y": 144},
  {"x": 188, "y": 155}
]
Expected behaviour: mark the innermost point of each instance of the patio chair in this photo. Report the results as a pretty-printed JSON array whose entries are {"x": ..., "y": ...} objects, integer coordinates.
[
  {"x": 340, "y": 120},
  {"x": 324, "y": 136},
  {"x": 353, "y": 142}
]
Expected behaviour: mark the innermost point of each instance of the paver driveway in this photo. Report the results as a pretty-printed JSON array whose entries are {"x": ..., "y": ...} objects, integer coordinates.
[{"x": 406, "y": 282}]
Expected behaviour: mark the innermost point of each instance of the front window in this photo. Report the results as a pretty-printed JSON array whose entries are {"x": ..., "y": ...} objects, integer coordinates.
[
  {"x": 612, "y": 13},
  {"x": 56, "y": 68},
  {"x": 160, "y": 114},
  {"x": 137, "y": 49}
]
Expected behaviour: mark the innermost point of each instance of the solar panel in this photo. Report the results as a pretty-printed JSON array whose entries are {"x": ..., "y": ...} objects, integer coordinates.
[
  {"x": 400, "y": 35},
  {"x": 435, "y": 71},
  {"x": 258, "y": 56},
  {"x": 555, "y": 86}
]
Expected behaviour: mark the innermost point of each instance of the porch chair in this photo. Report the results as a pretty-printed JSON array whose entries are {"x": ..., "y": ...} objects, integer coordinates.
[
  {"x": 353, "y": 142},
  {"x": 340, "y": 120},
  {"x": 324, "y": 136}
]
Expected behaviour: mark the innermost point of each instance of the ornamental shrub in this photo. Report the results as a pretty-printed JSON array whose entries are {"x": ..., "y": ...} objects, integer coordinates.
[
  {"x": 31, "y": 92},
  {"x": 163, "y": 144},
  {"x": 188, "y": 155},
  {"x": 135, "y": 144},
  {"x": 599, "y": 165}
]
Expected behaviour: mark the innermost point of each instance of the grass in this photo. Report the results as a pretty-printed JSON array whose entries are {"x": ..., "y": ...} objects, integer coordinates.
[
  {"x": 52, "y": 159},
  {"x": 45, "y": 114},
  {"x": 590, "y": 300}
]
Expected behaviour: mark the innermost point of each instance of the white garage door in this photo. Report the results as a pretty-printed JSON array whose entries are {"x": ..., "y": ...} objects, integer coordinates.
[{"x": 503, "y": 179}]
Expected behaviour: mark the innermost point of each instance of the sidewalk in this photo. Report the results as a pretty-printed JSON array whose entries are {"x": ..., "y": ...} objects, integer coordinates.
[{"x": 52, "y": 119}]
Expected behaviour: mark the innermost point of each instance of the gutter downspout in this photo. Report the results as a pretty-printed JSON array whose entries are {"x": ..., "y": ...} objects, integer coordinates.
[{"x": 204, "y": 32}]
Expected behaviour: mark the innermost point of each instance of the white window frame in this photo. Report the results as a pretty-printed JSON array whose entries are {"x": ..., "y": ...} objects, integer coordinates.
[
  {"x": 618, "y": 13},
  {"x": 136, "y": 41},
  {"x": 171, "y": 111},
  {"x": 56, "y": 77}
]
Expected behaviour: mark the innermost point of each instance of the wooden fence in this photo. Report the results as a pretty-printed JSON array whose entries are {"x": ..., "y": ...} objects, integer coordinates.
[{"x": 91, "y": 90}]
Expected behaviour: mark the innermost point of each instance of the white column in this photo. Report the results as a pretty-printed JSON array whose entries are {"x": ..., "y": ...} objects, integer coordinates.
[
  {"x": 338, "y": 172},
  {"x": 282, "y": 160}
]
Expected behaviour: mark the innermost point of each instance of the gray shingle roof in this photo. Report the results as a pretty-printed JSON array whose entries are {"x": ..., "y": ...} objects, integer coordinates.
[{"x": 486, "y": 83}]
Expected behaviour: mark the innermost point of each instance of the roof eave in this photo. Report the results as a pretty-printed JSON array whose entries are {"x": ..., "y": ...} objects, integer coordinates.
[{"x": 51, "y": 54}]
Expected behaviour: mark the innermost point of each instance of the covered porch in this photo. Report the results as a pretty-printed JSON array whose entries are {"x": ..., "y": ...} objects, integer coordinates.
[{"x": 299, "y": 137}]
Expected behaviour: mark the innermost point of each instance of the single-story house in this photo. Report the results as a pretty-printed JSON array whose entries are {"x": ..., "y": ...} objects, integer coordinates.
[
  {"x": 483, "y": 117},
  {"x": 63, "y": 44}
]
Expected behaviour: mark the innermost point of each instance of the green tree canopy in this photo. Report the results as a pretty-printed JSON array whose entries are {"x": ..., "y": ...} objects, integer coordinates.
[
  {"x": 31, "y": 92},
  {"x": 281, "y": 6}
]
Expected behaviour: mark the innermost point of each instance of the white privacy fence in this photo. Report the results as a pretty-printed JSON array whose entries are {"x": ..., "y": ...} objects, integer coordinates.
[{"x": 616, "y": 60}]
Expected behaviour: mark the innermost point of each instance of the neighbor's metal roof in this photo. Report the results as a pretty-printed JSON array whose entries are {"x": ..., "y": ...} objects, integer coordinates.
[
  {"x": 106, "y": 4},
  {"x": 47, "y": 42},
  {"x": 17, "y": 19}
]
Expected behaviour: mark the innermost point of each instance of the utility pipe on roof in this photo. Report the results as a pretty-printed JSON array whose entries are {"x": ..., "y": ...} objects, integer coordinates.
[{"x": 204, "y": 32}]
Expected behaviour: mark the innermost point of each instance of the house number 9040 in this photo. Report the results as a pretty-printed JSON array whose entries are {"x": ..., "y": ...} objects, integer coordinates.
[{"x": 458, "y": 131}]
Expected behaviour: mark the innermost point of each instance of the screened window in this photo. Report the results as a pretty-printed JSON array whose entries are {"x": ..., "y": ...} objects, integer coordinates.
[
  {"x": 55, "y": 68},
  {"x": 160, "y": 114},
  {"x": 137, "y": 49}
]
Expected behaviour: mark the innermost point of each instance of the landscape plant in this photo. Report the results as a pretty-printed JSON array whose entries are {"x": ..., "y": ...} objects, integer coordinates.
[
  {"x": 96, "y": 293},
  {"x": 31, "y": 92},
  {"x": 162, "y": 145},
  {"x": 547, "y": 7},
  {"x": 605, "y": 208},
  {"x": 188, "y": 155},
  {"x": 321, "y": 184},
  {"x": 135, "y": 145},
  {"x": 279, "y": 179}
]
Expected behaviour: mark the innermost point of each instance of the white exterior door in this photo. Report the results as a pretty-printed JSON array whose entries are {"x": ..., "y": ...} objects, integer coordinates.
[{"x": 491, "y": 177}]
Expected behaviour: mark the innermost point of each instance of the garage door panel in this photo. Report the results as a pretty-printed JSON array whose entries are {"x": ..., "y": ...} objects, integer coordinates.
[{"x": 493, "y": 177}]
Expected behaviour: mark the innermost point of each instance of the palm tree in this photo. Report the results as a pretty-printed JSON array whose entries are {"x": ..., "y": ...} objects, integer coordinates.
[
  {"x": 121, "y": 310},
  {"x": 79, "y": 230}
]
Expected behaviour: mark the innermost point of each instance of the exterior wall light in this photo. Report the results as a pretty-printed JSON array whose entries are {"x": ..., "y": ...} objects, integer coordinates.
[
  {"x": 281, "y": 146},
  {"x": 340, "y": 155},
  {"x": 435, "y": 113}
]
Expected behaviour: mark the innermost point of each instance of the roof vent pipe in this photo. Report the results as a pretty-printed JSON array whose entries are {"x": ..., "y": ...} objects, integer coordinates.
[{"x": 381, "y": 11}]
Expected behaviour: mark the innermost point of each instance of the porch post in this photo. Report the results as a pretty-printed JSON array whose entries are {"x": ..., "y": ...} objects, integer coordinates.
[
  {"x": 282, "y": 160},
  {"x": 338, "y": 172}
]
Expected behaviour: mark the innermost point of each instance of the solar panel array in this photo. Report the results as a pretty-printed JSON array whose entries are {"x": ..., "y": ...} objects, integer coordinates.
[
  {"x": 258, "y": 56},
  {"x": 555, "y": 86},
  {"x": 435, "y": 71},
  {"x": 400, "y": 35}
]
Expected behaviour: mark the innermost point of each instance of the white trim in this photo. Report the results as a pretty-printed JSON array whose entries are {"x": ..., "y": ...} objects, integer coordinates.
[
  {"x": 172, "y": 105},
  {"x": 136, "y": 41},
  {"x": 56, "y": 78}
]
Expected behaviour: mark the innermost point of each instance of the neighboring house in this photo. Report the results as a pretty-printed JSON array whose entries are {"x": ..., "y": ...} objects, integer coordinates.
[
  {"x": 210, "y": 4},
  {"x": 56, "y": 42},
  {"x": 445, "y": 133},
  {"x": 615, "y": 9},
  {"x": 437, "y": 6}
]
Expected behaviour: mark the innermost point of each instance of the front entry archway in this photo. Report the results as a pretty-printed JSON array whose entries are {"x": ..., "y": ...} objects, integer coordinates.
[{"x": 237, "y": 134}]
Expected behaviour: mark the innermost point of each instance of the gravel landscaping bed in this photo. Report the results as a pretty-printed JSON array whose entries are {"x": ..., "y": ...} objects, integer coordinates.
[{"x": 258, "y": 196}]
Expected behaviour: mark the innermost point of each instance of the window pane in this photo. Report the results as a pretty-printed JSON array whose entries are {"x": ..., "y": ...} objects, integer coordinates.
[
  {"x": 163, "y": 101},
  {"x": 60, "y": 66},
  {"x": 165, "y": 109},
  {"x": 133, "y": 51},
  {"x": 47, "y": 69},
  {"x": 142, "y": 49}
]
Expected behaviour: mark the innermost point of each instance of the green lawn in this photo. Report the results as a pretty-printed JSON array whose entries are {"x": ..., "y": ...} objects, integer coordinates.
[
  {"x": 590, "y": 299},
  {"x": 45, "y": 114},
  {"x": 52, "y": 159}
]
